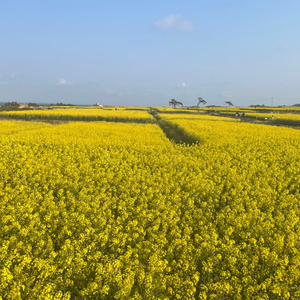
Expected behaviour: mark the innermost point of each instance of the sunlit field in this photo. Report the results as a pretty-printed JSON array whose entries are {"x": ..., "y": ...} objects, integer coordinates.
[
  {"x": 283, "y": 118},
  {"x": 106, "y": 210},
  {"x": 83, "y": 114}
]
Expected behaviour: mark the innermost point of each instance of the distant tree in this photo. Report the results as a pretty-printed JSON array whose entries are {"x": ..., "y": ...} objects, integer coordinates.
[
  {"x": 31, "y": 104},
  {"x": 174, "y": 103},
  {"x": 200, "y": 101},
  {"x": 62, "y": 104},
  {"x": 12, "y": 104},
  {"x": 229, "y": 103},
  {"x": 257, "y": 105}
]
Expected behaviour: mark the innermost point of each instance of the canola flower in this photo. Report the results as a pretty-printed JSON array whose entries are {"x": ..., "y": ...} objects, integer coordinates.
[
  {"x": 116, "y": 211},
  {"x": 278, "y": 118},
  {"x": 178, "y": 109},
  {"x": 199, "y": 117},
  {"x": 283, "y": 109},
  {"x": 82, "y": 114},
  {"x": 258, "y": 109}
]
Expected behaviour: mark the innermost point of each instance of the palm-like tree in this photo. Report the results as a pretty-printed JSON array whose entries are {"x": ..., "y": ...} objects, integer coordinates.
[
  {"x": 229, "y": 103},
  {"x": 201, "y": 101},
  {"x": 174, "y": 103}
]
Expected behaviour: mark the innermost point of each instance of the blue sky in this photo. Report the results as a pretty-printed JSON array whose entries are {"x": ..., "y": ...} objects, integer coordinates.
[{"x": 148, "y": 52}]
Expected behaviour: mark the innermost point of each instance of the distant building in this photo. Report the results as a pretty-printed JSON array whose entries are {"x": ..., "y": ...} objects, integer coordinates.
[{"x": 23, "y": 105}]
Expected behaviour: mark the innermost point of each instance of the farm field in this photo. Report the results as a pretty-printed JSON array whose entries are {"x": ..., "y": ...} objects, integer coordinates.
[
  {"x": 106, "y": 210},
  {"x": 179, "y": 109},
  {"x": 83, "y": 114},
  {"x": 267, "y": 109},
  {"x": 283, "y": 109},
  {"x": 279, "y": 118}
]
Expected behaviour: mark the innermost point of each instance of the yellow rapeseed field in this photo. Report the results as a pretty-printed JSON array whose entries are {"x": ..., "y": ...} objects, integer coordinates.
[
  {"x": 104, "y": 210},
  {"x": 82, "y": 114},
  {"x": 283, "y": 118}
]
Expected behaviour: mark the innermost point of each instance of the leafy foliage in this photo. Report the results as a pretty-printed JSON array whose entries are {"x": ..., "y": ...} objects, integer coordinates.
[
  {"x": 174, "y": 103},
  {"x": 201, "y": 101}
]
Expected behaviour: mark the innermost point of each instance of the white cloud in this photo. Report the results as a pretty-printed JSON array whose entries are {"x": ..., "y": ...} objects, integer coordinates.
[
  {"x": 61, "y": 82},
  {"x": 182, "y": 85},
  {"x": 174, "y": 22}
]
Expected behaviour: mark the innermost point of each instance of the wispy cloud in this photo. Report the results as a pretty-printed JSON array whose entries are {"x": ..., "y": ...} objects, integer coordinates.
[
  {"x": 174, "y": 22},
  {"x": 182, "y": 85},
  {"x": 61, "y": 82}
]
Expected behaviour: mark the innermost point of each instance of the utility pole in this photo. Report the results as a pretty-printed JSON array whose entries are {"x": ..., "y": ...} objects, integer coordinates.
[{"x": 272, "y": 101}]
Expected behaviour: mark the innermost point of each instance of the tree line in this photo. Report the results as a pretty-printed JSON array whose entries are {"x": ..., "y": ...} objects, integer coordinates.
[{"x": 175, "y": 103}]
